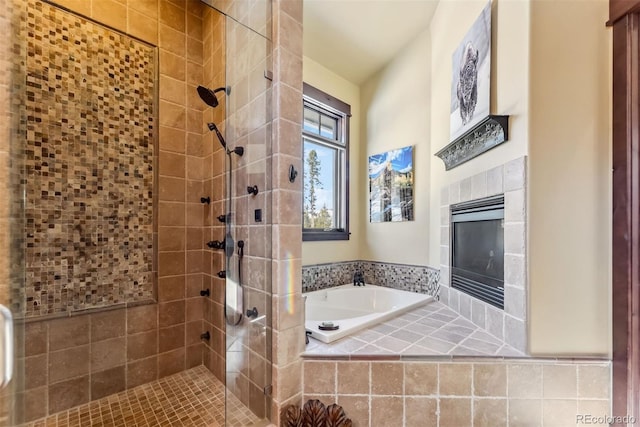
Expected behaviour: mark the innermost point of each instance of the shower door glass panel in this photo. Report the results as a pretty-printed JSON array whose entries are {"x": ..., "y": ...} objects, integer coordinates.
[{"x": 248, "y": 256}]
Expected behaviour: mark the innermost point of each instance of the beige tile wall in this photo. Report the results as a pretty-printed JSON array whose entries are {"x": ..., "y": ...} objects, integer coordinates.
[
  {"x": 244, "y": 118},
  {"x": 214, "y": 185},
  {"x": 74, "y": 360},
  {"x": 6, "y": 119},
  {"x": 470, "y": 392},
  {"x": 288, "y": 310}
]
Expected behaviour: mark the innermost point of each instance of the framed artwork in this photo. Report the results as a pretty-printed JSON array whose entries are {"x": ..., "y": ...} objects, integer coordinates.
[
  {"x": 391, "y": 186},
  {"x": 471, "y": 79}
]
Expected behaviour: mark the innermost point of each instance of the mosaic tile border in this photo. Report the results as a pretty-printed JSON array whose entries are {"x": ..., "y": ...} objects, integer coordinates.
[{"x": 413, "y": 278}]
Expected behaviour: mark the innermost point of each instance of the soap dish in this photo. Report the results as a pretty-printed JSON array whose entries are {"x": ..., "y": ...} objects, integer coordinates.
[{"x": 328, "y": 326}]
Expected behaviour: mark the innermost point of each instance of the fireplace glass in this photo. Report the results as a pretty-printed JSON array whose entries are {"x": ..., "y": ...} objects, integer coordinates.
[{"x": 477, "y": 249}]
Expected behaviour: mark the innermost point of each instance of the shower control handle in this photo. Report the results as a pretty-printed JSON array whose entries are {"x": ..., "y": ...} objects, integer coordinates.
[
  {"x": 216, "y": 244},
  {"x": 252, "y": 190},
  {"x": 205, "y": 293},
  {"x": 222, "y": 274},
  {"x": 252, "y": 313}
]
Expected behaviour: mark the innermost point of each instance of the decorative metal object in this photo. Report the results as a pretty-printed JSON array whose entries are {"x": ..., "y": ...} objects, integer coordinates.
[
  {"x": 487, "y": 134},
  {"x": 315, "y": 414}
]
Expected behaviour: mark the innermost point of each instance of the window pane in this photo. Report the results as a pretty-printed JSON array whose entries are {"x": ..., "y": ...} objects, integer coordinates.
[
  {"x": 311, "y": 121},
  {"x": 319, "y": 210},
  {"x": 328, "y": 126}
]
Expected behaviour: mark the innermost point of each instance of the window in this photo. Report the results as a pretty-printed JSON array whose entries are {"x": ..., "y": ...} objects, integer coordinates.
[{"x": 325, "y": 165}]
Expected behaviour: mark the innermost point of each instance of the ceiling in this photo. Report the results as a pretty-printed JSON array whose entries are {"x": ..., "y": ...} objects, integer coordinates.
[{"x": 355, "y": 38}]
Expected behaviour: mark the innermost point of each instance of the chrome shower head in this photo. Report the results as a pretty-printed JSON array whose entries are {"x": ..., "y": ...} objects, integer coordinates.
[{"x": 209, "y": 96}]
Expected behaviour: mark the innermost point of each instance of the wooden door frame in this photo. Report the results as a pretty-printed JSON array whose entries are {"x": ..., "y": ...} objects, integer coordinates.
[{"x": 625, "y": 19}]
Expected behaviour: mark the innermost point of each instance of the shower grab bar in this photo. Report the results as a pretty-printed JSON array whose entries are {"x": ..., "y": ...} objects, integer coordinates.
[{"x": 6, "y": 353}]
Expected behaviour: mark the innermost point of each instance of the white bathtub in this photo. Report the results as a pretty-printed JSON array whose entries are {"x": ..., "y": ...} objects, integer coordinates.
[{"x": 356, "y": 307}]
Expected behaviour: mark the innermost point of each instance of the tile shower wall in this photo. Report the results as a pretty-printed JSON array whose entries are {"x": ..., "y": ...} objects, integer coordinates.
[
  {"x": 214, "y": 60},
  {"x": 458, "y": 393},
  {"x": 8, "y": 219},
  {"x": 71, "y": 361},
  {"x": 288, "y": 322},
  {"x": 240, "y": 63},
  {"x": 413, "y": 278},
  {"x": 89, "y": 165}
]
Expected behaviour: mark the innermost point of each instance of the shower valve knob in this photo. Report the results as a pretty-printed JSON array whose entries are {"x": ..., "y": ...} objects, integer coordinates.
[
  {"x": 206, "y": 200},
  {"x": 222, "y": 274},
  {"x": 216, "y": 244},
  {"x": 205, "y": 336},
  {"x": 222, "y": 218},
  {"x": 205, "y": 293},
  {"x": 252, "y": 190},
  {"x": 252, "y": 313}
]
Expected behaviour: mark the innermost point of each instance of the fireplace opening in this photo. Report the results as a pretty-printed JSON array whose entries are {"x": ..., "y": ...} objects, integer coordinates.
[{"x": 477, "y": 249}]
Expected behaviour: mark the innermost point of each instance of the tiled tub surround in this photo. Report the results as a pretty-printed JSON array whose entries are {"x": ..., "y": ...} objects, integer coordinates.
[
  {"x": 431, "y": 330},
  {"x": 412, "y": 278},
  {"x": 470, "y": 393},
  {"x": 508, "y": 325},
  {"x": 90, "y": 161}
]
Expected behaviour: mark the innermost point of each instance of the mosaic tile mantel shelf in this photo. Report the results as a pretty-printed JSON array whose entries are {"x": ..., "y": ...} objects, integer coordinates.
[{"x": 89, "y": 164}]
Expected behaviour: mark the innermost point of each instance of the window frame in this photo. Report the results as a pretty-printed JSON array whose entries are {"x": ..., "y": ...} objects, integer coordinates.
[{"x": 334, "y": 106}]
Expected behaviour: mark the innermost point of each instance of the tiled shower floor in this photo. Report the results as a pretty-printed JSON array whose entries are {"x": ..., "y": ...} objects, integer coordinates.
[
  {"x": 190, "y": 398},
  {"x": 431, "y": 330}
]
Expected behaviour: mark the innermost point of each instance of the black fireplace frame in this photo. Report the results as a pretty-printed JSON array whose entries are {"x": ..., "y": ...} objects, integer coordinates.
[{"x": 489, "y": 208}]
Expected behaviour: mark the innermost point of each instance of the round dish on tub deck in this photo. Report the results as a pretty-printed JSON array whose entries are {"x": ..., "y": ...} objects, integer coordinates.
[{"x": 353, "y": 308}]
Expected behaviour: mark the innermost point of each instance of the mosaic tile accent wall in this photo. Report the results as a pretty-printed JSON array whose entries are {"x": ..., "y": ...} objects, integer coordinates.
[
  {"x": 413, "y": 278},
  {"x": 89, "y": 164}
]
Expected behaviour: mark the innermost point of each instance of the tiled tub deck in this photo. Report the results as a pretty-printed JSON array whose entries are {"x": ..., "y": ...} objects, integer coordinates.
[{"x": 431, "y": 330}]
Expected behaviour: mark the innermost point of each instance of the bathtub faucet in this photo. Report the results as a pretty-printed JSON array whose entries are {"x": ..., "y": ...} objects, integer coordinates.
[{"x": 358, "y": 278}]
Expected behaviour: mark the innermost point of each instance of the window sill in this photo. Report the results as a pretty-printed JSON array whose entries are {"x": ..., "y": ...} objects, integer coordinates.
[{"x": 317, "y": 236}]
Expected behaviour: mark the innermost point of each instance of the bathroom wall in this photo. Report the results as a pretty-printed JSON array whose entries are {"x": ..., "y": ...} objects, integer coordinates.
[
  {"x": 89, "y": 175},
  {"x": 509, "y": 91},
  {"x": 7, "y": 221},
  {"x": 287, "y": 305},
  {"x": 213, "y": 186},
  {"x": 570, "y": 178},
  {"x": 241, "y": 63},
  {"x": 339, "y": 250},
  {"x": 455, "y": 393},
  {"x": 567, "y": 144},
  {"x": 396, "y": 110},
  {"x": 73, "y": 360}
]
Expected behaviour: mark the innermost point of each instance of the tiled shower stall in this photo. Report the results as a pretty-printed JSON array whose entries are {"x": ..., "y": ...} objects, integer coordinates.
[{"x": 118, "y": 184}]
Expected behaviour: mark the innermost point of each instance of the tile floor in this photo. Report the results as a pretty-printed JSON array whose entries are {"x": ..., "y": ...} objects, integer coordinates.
[
  {"x": 190, "y": 398},
  {"x": 431, "y": 330}
]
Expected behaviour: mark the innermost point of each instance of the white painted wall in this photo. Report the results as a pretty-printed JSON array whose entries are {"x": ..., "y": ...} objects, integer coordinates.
[
  {"x": 396, "y": 108},
  {"x": 343, "y": 250},
  {"x": 569, "y": 171}
]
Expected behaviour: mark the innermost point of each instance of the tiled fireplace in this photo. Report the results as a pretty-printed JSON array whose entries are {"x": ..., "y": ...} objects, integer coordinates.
[{"x": 508, "y": 324}]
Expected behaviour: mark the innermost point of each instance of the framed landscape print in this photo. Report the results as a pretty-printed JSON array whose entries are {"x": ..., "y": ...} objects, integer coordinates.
[{"x": 391, "y": 186}]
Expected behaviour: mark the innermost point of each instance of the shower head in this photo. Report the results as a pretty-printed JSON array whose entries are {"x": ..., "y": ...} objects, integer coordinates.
[
  {"x": 209, "y": 96},
  {"x": 238, "y": 150},
  {"x": 213, "y": 127}
]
